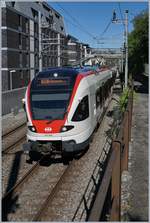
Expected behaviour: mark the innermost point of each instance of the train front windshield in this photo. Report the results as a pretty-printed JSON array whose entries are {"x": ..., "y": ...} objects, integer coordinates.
[
  {"x": 48, "y": 105},
  {"x": 50, "y": 93}
]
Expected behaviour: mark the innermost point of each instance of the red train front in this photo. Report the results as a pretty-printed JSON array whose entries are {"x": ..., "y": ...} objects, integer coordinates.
[{"x": 63, "y": 107}]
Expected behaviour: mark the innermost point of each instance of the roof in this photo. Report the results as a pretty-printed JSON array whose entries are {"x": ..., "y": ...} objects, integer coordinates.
[{"x": 66, "y": 71}]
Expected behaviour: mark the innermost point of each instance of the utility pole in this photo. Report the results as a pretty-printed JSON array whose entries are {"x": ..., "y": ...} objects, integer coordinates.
[
  {"x": 125, "y": 21},
  {"x": 126, "y": 48},
  {"x": 40, "y": 47}
]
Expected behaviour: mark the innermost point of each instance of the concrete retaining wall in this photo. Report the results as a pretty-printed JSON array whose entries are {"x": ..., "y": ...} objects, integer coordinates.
[{"x": 11, "y": 100}]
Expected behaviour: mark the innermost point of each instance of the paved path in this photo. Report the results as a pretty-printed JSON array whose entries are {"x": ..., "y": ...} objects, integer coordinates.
[{"x": 135, "y": 182}]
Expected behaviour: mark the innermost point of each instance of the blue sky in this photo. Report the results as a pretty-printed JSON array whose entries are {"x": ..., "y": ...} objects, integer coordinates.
[{"x": 86, "y": 20}]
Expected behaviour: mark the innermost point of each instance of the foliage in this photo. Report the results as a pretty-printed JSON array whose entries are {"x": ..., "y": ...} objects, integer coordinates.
[
  {"x": 138, "y": 44},
  {"x": 123, "y": 100}
]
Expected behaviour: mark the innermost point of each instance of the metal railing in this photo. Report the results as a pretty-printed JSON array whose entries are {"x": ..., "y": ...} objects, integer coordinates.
[
  {"x": 102, "y": 197},
  {"x": 108, "y": 199}
]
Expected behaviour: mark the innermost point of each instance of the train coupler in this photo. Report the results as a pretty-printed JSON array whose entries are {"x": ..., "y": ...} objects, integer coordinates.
[{"x": 27, "y": 148}]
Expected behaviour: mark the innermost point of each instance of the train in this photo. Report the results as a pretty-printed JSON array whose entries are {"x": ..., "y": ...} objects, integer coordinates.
[{"x": 64, "y": 106}]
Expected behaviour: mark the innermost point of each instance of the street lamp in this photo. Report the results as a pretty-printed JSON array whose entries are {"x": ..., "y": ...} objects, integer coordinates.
[{"x": 11, "y": 71}]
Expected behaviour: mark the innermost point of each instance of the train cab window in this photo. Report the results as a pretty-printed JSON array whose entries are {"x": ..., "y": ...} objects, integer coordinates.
[{"x": 82, "y": 111}]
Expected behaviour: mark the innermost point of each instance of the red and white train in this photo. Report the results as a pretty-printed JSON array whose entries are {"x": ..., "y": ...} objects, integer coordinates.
[{"x": 64, "y": 106}]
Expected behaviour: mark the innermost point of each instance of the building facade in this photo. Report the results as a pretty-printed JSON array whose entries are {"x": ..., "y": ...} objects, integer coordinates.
[
  {"x": 77, "y": 51},
  {"x": 33, "y": 38},
  {"x": 21, "y": 33}
]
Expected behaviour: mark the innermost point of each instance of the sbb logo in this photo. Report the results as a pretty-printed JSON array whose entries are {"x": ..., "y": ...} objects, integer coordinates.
[{"x": 48, "y": 129}]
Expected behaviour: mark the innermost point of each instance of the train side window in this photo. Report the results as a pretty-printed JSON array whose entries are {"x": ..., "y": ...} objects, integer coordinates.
[
  {"x": 101, "y": 96},
  {"x": 97, "y": 98},
  {"x": 82, "y": 111}
]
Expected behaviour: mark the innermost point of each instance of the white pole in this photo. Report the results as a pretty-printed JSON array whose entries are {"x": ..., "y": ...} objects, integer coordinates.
[
  {"x": 126, "y": 59},
  {"x": 122, "y": 57},
  {"x": 40, "y": 47},
  {"x": 58, "y": 48}
]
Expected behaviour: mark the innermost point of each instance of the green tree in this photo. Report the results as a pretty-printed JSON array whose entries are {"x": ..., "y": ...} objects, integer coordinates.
[{"x": 138, "y": 44}]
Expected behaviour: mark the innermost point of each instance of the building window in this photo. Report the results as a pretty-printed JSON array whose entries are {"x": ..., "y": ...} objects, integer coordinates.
[
  {"x": 27, "y": 25},
  {"x": 20, "y": 41},
  {"x": 51, "y": 19},
  {"x": 34, "y": 13},
  {"x": 48, "y": 20},
  {"x": 36, "y": 43},
  {"x": 36, "y": 60},
  {"x": 20, "y": 20},
  {"x": 27, "y": 59},
  {"x": 57, "y": 16},
  {"x": 27, "y": 42},
  {"x": 20, "y": 59},
  {"x": 62, "y": 28},
  {"x": 35, "y": 29},
  {"x": 46, "y": 8}
]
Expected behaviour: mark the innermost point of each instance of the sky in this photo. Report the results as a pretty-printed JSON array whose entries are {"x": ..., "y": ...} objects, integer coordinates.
[{"x": 89, "y": 20}]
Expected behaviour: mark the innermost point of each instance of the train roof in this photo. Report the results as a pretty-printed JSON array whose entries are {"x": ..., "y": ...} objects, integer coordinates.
[
  {"x": 65, "y": 71},
  {"x": 60, "y": 71}
]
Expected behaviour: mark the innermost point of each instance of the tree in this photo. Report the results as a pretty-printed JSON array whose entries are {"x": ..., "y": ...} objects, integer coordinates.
[{"x": 138, "y": 44}]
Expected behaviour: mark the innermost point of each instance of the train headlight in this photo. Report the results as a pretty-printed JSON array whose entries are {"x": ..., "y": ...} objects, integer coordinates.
[
  {"x": 67, "y": 128},
  {"x": 32, "y": 128}
]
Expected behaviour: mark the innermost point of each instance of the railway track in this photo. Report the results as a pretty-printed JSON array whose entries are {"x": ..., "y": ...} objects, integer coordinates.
[
  {"x": 19, "y": 191},
  {"x": 40, "y": 210},
  {"x": 12, "y": 131},
  {"x": 13, "y": 138},
  {"x": 50, "y": 197},
  {"x": 7, "y": 198},
  {"x": 18, "y": 185},
  {"x": 11, "y": 147}
]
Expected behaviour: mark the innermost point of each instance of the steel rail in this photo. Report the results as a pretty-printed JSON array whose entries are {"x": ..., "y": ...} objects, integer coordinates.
[
  {"x": 15, "y": 144},
  {"x": 17, "y": 186},
  {"x": 13, "y": 130},
  {"x": 50, "y": 197}
]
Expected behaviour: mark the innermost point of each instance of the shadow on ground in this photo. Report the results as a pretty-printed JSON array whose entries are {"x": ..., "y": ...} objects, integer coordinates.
[
  {"x": 132, "y": 217},
  {"x": 141, "y": 85},
  {"x": 9, "y": 203}
]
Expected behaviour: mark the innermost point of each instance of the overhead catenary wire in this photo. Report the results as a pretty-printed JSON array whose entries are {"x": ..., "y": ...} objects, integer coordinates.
[
  {"x": 105, "y": 30},
  {"x": 121, "y": 14},
  {"x": 81, "y": 27}
]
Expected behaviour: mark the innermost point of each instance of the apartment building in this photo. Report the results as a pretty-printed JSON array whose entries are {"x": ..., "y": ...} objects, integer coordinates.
[
  {"x": 33, "y": 38},
  {"x": 77, "y": 51},
  {"x": 21, "y": 51}
]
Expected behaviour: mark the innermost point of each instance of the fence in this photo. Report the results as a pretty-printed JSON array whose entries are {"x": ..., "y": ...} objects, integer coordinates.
[
  {"x": 108, "y": 199},
  {"x": 11, "y": 100}
]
